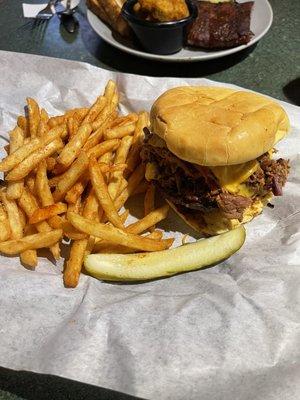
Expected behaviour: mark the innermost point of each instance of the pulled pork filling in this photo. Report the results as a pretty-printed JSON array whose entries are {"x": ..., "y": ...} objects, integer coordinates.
[{"x": 194, "y": 187}]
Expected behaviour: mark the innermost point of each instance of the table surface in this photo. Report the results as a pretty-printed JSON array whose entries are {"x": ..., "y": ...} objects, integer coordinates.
[{"x": 272, "y": 67}]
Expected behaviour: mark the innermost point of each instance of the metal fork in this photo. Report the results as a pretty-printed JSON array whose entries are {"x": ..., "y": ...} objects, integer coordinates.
[{"x": 47, "y": 12}]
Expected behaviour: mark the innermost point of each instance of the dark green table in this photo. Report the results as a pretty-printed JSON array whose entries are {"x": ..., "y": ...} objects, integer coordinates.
[{"x": 272, "y": 67}]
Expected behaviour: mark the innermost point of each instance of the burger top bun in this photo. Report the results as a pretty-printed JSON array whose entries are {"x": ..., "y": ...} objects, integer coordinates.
[{"x": 216, "y": 126}]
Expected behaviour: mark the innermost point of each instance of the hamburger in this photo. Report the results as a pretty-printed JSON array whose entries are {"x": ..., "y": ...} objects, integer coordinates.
[{"x": 210, "y": 153}]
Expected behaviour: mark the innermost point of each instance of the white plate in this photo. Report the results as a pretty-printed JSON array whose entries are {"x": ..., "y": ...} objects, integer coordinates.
[{"x": 261, "y": 21}]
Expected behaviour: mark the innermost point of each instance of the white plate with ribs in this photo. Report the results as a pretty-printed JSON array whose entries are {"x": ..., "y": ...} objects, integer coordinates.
[{"x": 261, "y": 21}]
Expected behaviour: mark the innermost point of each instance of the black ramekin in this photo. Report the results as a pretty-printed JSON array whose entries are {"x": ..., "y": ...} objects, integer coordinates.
[{"x": 158, "y": 37}]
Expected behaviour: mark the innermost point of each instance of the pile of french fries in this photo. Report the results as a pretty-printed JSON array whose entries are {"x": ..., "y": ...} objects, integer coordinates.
[{"x": 67, "y": 179}]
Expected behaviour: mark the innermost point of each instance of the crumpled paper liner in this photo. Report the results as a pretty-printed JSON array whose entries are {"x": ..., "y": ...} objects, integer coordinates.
[{"x": 223, "y": 333}]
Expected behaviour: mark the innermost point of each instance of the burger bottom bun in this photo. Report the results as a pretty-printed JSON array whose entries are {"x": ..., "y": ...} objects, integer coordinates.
[{"x": 214, "y": 223}]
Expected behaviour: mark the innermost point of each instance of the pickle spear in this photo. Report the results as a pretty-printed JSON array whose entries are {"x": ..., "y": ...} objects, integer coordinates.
[{"x": 145, "y": 266}]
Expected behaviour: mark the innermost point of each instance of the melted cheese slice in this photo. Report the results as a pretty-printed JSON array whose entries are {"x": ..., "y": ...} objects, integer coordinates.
[{"x": 231, "y": 177}]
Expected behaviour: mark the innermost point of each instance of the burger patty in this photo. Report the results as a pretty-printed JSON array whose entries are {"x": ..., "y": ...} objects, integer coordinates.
[{"x": 196, "y": 188}]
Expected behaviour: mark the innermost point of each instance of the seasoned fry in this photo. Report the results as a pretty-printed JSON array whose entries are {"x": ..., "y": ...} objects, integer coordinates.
[
  {"x": 124, "y": 120},
  {"x": 138, "y": 137},
  {"x": 29, "y": 204},
  {"x": 27, "y": 165},
  {"x": 43, "y": 124},
  {"x": 73, "y": 147},
  {"x": 149, "y": 220},
  {"x": 72, "y": 126},
  {"x": 104, "y": 147},
  {"x": 120, "y": 158},
  {"x": 136, "y": 177},
  {"x": 31, "y": 242},
  {"x": 115, "y": 235},
  {"x": 15, "y": 223},
  {"x": 119, "y": 131},
  {"x": 74, "y": 264},
  {"x": 5, "y": 232},
  {"x": 30, "y": 182},
  {"x": 29, "y": 257},
  {"x": 71, "y": 176},
  {"x": 149, "y": 202},
  {"x": 22, "y": 123},
  {"x": 51, "y": 162},
  {"x": 99, "y": 127},
  {"x": 137, "y": 227},
  {"x": 82, "y": 247},
  {"x": 56, "y": 222},
  {"x": 14, "y": 189},
  {"x": 42, "y": 188},
  {"x": 33, "y": 145},
  {"x": 95, "y": 110},
  {"x": 102, "y": 194},
  {"x": 33, "y": 116},
  {"x": 106, "y": 247},
  {"x": 76, "y": 191},
  {"x": 109, "y": 91},
  {"x": 42, "y": 214}
]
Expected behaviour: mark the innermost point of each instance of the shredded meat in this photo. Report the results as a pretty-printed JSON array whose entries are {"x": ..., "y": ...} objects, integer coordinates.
[
  {"x": 194, "y": 188},
  {"x": 270, "y": 176}
]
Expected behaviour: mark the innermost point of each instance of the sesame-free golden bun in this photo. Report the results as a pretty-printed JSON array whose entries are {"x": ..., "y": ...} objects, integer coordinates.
[{"x": 216, "y": 126}]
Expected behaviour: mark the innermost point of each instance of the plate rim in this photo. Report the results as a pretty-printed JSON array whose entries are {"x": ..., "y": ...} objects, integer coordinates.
[{"x": 172, "y": 58}]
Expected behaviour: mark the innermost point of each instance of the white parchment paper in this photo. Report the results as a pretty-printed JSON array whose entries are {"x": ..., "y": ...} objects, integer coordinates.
[{"x": 231, "y": 332}]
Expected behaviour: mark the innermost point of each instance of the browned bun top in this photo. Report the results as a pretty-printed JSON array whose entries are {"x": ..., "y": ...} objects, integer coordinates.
[{"x": 217, "y": 126}]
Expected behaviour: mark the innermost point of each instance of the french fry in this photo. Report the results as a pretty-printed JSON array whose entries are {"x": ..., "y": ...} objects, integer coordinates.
[
  {"x": 74, "y": 264},
  {"x": 71, "y": 176},
  {"x": 116, "y": 235},
  {"x": 29, "y": 257},
  {"x": 149, "y": 220},
  {"x": 42, "y": 214},
  {"x": 42, "y": 188},
  {"x": 103, "y": 121},
  {"x": 102, "y": 194},
  {"x": 36, "y": 241},
  {"x": 108, "y": 248},
  {"x": 30, "y": 182},
  {"x": 14, "y": 189},
  {"x": 72, "y": 126},
  {"x": 76, "y": 191},
  {"x": 74, "y": 146},
  {"x": 43, "y": 124},
  {"x": 104, "y": 147},
  {"x": 22, "y": 218},
  {"x": 56, "y": 222},
  {"x": 120, "y": 158},
  {"x": 79, "y": 114},
  {"x": 72, "y": 233},
  {"x": 124, "y": 120},
  {"x": 137, "y": 227},
  {"x": 15, "y": 222},
  {"x": 135, "y": 178},
  {"x": 29, "y": 204},
  {"x": 5, "y": 232},
  {"x": 27, "y": 165},
  {"x": 27, "y": 149},
  {"x": 95, "y": 110},
  {"x": 51, "y": 162},
  {"x": 22, "y": 123},
  {"x": 119, "y": 131},
  {"x": 109, "y": 91},
  {"x": 138, "y": 138},
  {"x": 82, "y": 247},
  {"x": 149, "y": 202},
  {"x": 33, "y": 116},
  {"x": 56, "y": 121}
]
